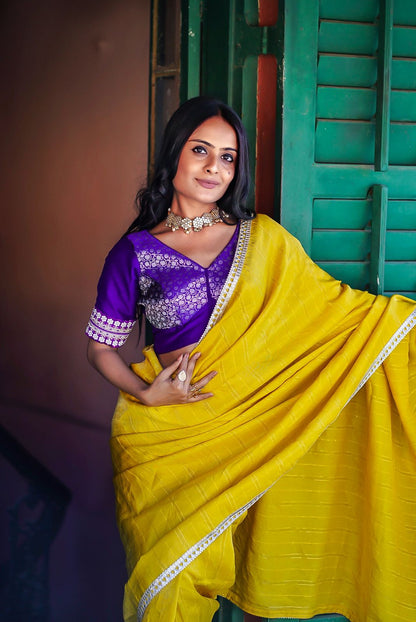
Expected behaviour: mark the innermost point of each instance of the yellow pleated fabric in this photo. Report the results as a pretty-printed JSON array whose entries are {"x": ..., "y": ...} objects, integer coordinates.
[{"x": 336, "y": 529}]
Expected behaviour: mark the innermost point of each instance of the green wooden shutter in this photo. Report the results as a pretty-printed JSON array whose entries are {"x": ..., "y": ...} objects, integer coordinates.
[{"x": 349, "y": 138}]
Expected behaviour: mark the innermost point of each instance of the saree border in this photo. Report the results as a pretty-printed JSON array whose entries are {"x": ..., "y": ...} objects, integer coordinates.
[
  {"x": 233, "y": 276},
  {"x": 397, "y": 337},
  {"x": 192, "y": 553}
]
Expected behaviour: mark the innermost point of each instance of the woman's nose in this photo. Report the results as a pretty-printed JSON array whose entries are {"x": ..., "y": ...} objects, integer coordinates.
[{"x": 212, "y": 166}]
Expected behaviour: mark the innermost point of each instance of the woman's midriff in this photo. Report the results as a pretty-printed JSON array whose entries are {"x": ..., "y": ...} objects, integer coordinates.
[{"x": 167, "y": 358}]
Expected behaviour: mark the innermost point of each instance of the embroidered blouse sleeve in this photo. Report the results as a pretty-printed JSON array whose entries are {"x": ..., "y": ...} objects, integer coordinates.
[{"x": 115, "y": 310}]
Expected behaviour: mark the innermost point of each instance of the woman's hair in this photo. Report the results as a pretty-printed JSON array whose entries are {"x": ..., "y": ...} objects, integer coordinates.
[{"x": 153, "y": 202}]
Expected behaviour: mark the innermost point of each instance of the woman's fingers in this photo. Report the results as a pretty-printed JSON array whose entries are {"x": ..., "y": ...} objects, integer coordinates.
[
  {"x": 173, "y": 384},
  {"x": 184, "y": 373},
  {"x": 191, "y": 363},
  {"x": 194, "y": 390},
  {"x": 204, "y": 381},
  {"x": 195, "y": 394},
  {"x": 170, "y": 369},
  {"x": 197, "y": 397}
]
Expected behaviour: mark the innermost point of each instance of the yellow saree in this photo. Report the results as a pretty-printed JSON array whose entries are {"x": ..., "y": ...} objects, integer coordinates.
[{"x": 292, "y": 490}]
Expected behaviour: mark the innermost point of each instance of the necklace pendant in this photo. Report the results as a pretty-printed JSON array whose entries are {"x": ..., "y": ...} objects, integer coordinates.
[
  {"x": 175, "y": 222},
  {"x": 198, "y": 223},
  {"x": 186, "y": 224}
]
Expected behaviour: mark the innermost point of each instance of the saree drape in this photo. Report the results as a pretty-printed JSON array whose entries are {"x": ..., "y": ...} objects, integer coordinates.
[{"x": 296, "y": 481}]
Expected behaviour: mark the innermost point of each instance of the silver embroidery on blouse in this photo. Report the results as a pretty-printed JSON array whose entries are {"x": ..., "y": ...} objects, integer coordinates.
[
  {"x": 174, "y": 288},
  {"x": 176, "y": 307},
  {"x": 107, "y": 330}
]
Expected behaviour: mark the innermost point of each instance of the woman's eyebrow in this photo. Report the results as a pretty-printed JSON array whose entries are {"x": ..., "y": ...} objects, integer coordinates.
[{"x": 205, "y": 142}]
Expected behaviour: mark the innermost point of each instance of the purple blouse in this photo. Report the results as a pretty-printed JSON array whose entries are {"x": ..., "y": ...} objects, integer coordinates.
[{"x": 177, "y": 293}]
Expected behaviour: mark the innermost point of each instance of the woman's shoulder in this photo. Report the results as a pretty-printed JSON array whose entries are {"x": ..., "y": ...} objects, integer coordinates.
[
  {"x": 129, "y": 243},
  {"x": 124, "y": 252},
  {"x": 137, "y": 239}
]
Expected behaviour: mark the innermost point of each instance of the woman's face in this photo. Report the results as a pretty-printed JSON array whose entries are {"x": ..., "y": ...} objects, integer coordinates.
[{"x": 207, "y": 165}]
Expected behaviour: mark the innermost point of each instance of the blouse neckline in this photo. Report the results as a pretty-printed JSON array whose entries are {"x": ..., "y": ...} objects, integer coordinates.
[{"x": 229, "y": 243}]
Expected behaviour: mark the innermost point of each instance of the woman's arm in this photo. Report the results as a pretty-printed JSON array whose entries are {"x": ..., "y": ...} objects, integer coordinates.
[{"x": 164, "y": 389}]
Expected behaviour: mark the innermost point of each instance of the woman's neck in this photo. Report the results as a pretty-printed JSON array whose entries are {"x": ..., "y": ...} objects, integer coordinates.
[{"x": 189, "y": 209}]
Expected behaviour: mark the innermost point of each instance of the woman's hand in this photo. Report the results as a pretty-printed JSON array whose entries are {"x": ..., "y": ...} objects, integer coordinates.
[{"x": 173, "y": 384}]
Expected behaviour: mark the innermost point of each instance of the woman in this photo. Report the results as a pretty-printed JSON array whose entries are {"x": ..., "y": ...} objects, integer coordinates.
[
  {"x": 256, "y": 354},
  {"x": 195, "y": 171}
]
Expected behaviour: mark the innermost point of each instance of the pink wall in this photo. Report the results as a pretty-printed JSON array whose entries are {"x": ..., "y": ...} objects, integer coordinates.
[{"x": 74, "y": 150}]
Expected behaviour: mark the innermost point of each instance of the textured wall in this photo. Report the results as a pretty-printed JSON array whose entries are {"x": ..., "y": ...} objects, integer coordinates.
[{"x": 74, "y": 149}]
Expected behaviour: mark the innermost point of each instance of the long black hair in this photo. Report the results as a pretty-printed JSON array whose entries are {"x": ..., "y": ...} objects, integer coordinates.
[{"x": 153, "y": 201}]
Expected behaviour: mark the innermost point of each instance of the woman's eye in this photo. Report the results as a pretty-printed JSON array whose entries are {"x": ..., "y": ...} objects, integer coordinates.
[
  {"x": 199, "y": 149},
  {"x": 228, "y": 157}
]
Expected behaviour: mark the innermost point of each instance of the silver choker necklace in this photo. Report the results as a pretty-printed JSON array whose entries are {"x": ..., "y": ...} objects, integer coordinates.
[{"x": 175, "y": 222}]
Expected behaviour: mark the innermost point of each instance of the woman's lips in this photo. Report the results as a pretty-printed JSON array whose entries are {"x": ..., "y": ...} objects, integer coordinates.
[{"x": 206, "y": 183}]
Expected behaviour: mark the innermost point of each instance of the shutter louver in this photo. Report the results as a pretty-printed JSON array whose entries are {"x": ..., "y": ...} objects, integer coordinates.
[{"x": 360, "y": 123}]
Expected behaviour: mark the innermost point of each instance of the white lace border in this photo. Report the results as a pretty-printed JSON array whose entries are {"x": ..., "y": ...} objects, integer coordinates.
[
  {"x": 180, "y": 564},
  {"x": 107, "y": 330}
]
